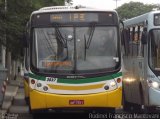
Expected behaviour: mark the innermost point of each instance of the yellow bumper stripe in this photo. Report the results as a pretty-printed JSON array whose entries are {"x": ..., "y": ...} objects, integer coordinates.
[
  {"x": 88, "y": 87},
  {"x": 40, "y": 100}
]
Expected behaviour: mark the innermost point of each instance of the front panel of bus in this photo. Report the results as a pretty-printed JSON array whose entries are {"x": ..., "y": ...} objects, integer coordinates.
[
  {"x": 75, "y": 60},
  {"x": 154, "y": 61}
]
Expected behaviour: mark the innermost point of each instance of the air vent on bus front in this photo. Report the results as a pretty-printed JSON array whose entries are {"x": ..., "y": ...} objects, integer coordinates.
[{"x": 61, "y": 7}]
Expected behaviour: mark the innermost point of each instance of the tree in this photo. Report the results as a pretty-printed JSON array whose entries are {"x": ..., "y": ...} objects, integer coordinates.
[
  {"x": 43, "y": 3},
  {"x": 2, "y": 23},
  {"x": 69, "y": 2},
  {"x": 132, "y": 9},
  {"x": 13, "y": 22}
]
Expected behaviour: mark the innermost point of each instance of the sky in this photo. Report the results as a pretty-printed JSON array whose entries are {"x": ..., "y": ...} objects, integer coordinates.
[{"x": 110, "y": 4}]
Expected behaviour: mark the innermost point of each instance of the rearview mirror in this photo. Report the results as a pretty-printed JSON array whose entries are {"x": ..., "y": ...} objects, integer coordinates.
[
  {"x": 121, "y": 23},
  {"x": 144, "y": 36},
  {"x": 25, "y": 40}
]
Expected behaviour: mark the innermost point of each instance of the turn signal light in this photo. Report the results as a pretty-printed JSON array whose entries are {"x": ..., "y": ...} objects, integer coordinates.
[
  {"x": 32, "y": 81},
  {"x": 118, "y": 80}
]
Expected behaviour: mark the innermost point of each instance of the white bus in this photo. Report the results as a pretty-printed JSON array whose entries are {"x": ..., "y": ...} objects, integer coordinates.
[
  {"x": 73, "y": 59},
  {"x": 141, "y": 62}
]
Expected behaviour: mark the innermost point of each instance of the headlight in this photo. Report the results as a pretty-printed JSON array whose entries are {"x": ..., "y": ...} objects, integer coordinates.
[
  {"x": 112, "y": 84},
  {"x": 129, "y": 79},
  {"x": 39, "y": 84},
  {"x": 154, "y": 84},
  {"x": 45, "y": 88}
]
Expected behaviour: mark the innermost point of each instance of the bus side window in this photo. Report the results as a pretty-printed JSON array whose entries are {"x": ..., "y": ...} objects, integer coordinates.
[
  {"x": 155, "y": 49},
  {"x": 144, "y": 36},
  {"x": 136, "y": 41},
  {"x": 143, "y": 40},
  {"x": 141, "y": 45},
  {"x": 131, "y": 41},
  {"x": 136, "y": 45},
  {"x": 125, "y": 41}
]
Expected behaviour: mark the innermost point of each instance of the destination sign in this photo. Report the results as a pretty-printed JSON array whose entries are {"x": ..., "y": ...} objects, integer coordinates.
[
  {"x": 157, "y": 19},
  {"x": 81, "y": 17}
]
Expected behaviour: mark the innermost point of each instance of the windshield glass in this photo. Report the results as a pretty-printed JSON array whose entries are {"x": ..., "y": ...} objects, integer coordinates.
[
  {"x": 154, "y": 53},
  {"x": 75, "y": 49}
]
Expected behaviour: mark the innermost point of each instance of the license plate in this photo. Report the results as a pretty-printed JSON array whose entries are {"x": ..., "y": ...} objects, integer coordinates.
[{"x": 76, "y": 102}]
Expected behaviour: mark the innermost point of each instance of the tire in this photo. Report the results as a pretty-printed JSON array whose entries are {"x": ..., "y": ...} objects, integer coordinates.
[
  {"x": 104, "y": 110},
  {"x": 41, "y": 114},
  {"x": 126, "y": 106},
  {"x": 111, "y": 113},
  {"x": 136, "y": 108},
  {"x": 131, "y": 107},
  {"x": 149, "y": 109},
  {"x": 125, "y": 103},
  {"x": 112, "y": 110},
  {"x": 35, "y": 115},
  {"x": 27, "y": 100},
  {"x": 29, "y": 105}
]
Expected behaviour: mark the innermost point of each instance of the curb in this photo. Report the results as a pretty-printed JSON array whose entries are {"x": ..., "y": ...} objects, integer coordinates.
[{"x": 9, "y": 94}]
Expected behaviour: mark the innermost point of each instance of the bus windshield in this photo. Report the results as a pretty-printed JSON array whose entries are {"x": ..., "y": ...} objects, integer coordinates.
[
  {"x": 154, "y": 57},
  {"x": 75, "y": 49}
]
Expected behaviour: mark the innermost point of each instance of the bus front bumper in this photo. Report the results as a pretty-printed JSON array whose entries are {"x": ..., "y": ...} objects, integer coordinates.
[
  {"x": 154, "y": 97},
  {"x": 40, "y": 100},
  {"x": 26, "y": 89}
]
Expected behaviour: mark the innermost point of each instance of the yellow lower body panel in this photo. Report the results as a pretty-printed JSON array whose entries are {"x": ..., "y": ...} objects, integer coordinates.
[
  {"x": 26, "y": 89},
  {"x": 40, "y": 100}
]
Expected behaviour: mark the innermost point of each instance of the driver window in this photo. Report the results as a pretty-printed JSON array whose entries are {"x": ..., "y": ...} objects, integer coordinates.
[{"x": 155, "y": 49}]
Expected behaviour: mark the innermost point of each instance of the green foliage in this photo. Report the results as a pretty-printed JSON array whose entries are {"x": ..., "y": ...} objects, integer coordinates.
[
  {"x": 69, "y": 2},
  {"x": 39, "y": 3},
  {"x": 13, "y": 21},
  {"x": 132, "y": 9}
]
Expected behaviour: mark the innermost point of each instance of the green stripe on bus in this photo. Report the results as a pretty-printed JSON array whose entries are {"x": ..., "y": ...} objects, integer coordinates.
[
  {"x": 79, "y": 81},
  {"x": 89, "y": 80},
  {"x": 86, "y": 80},
  {"x": 37, "y": 77},
  {"x": 117, "y": 75}
]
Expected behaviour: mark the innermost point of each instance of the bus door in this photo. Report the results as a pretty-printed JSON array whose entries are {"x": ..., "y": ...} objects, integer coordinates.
[{"x": 138, "y": 65}]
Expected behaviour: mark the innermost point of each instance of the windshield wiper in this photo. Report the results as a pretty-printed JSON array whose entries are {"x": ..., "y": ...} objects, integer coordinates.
[
  {"x": 49, "y": 43},
  {"x": 61, "y": 38},
  {"x": 88, "y": 42}
]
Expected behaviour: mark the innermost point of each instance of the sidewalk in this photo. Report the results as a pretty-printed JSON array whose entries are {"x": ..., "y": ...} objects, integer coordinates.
[{"x": 11, "y": 91}]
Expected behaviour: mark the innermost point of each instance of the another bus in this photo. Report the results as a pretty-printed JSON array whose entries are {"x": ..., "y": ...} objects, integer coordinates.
[
  {"x": 73, "y": 59},
  {"x": 141, "y": 62}
]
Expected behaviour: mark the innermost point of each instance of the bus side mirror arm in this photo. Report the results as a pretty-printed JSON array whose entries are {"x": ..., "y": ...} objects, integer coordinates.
[
  {"x": 25, "y": 41},
  {"x": 144, "y": 38},
  {"x": 121, "y": 23},
  {"x": 122, "y": 31}
]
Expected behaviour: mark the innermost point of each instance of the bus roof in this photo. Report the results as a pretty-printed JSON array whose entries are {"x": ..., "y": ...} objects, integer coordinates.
[
  {"x": 141, "y": 19},
  {"x": 68, "y": 8}
]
